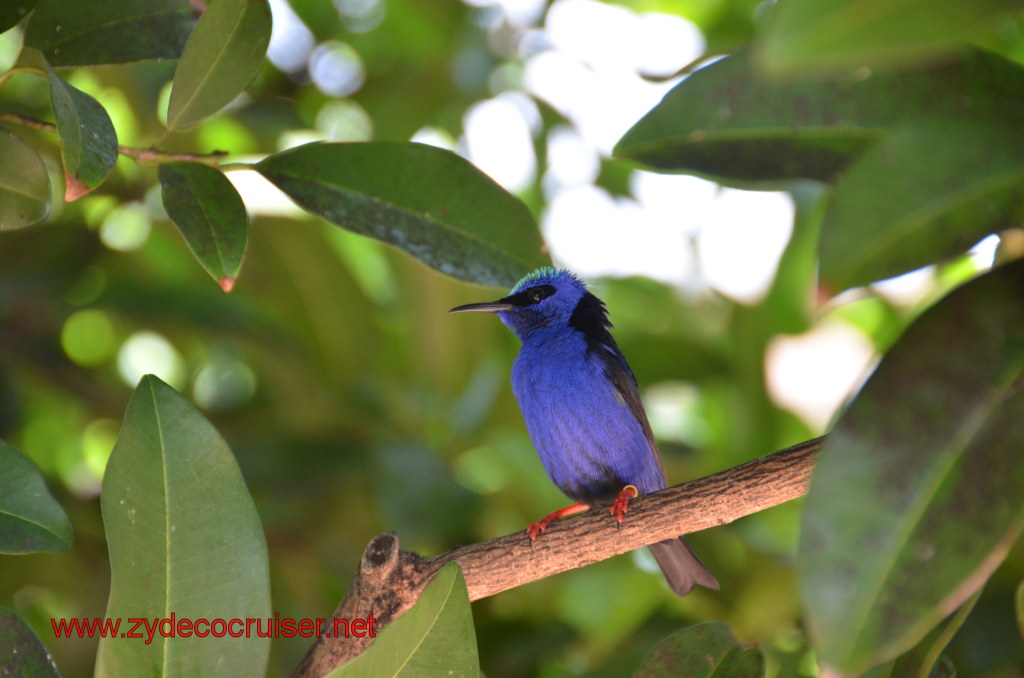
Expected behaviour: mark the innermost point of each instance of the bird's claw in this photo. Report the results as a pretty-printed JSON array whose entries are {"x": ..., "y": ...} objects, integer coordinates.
[
  {"x": 542, "y": 524},
  {"x": 620, "y": 506},
  {"x": 537, "y": 528}
]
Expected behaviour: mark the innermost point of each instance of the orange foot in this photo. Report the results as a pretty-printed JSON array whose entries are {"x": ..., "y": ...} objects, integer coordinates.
[
  {"x": 542, "y": 524},
  {"x": 621, "y": 504}
]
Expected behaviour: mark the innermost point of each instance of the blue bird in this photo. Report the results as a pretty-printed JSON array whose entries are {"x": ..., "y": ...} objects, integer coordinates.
[{"x": 582, "y": 408}]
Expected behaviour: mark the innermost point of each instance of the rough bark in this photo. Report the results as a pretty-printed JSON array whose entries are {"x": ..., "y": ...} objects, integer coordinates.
[{"x": 389, "y": 581}]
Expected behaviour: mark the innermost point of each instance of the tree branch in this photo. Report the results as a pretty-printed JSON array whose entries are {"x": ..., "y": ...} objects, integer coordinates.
[
  {"x": 143, "y": 155},
  {"x": 389, "y": 581}
]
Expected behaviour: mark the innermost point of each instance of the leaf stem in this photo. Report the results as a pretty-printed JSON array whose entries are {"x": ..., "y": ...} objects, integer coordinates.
[{"x": 145, "y": 156}]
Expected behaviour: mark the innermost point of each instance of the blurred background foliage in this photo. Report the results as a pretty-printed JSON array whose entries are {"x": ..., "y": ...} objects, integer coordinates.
[{"x": 355, "y": 405}]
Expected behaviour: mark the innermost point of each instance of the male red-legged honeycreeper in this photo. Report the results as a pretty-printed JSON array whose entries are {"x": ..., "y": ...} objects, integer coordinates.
[{"x": 582, "y": 407}]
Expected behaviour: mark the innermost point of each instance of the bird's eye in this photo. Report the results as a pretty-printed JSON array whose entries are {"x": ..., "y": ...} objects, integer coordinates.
[
  {"x": 530, "y": 296},
  {"x": 539, "y": 293}
]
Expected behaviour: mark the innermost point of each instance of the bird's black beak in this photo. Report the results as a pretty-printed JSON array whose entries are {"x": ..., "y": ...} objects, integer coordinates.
[{"x": 485, "y": 307}]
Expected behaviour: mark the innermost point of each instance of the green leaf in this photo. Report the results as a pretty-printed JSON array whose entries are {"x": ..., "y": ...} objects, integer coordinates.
[
  {"x": 76, "y": 33},
  {"x": 30, "y": 518},
  {"x": 1020, "y": 608},
  {"x": 222, "y": 55},
  {"x": 427, "y": 201},
  {"x": 797, "y": 272},
  {"x": 915, "y": 500},
  {"x": 434, "y": 638},
  {"x": 834, "y": 35},
  {"x": 88, "y": 139},
  {"x": 928, "y": 191},
  {"x": 21, "y": 652},
  {"x": 24, "y": 184},
  {"x": 210, "y": 214},
  {"x": 702, "y": 651},
  {"x": 13, "y": 11},
  {"x": 880, "y": 671},
  {"x": 185, "y": 542},
  {"x": 943, "y": 668},
  {"x": 730, "y": 121},
  {"x": 925, "y": 660}
]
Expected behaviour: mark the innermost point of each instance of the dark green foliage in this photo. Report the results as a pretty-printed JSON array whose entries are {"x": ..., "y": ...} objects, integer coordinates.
[
  {"x": 21, "y": 652},
  {"x": 25, "y": 193},
  {"x": 703, "y": 651},
  {"x": 426, "y": 201},
  {"x": 925, "y": 163},
  {"x": 30, "y": 518},
  {"x": 88, "y": 139},
  {"x": 72, "y": 33},
  {"x": 334, "y": 399},
  {"x": 210, "y": 214},
  {"x": 219, "y": 60},
  {"x": 184, "y": 540},
  {"x": 934, "y": 439}
]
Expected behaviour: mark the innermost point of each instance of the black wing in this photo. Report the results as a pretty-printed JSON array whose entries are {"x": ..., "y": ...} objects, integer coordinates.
[{"x": 591, "y": 318}]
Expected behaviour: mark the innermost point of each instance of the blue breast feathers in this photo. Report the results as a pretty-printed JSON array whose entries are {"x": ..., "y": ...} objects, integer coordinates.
[{"x": 588, "y": 436}]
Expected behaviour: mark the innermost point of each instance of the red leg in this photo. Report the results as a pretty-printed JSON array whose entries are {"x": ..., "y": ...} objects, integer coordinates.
[
  {"x": 543, "y": 523},
  {"x": 621, "y": 504}
]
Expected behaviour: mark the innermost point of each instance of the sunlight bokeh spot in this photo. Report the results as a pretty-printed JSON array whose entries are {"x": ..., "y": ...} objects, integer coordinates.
[
  {"x": 291, "y": 41},
  {"x": 98, "y": 440},
  {"x": 224, "y": 385},
  {"x": 261, "y": 196},
  {"x": 673, "y": 409},
  {"x": 126, "y": 228},
  {"x": 571, "y": 161},
  {"x": 147, "y": 352},
  {"x": 361, "y": 16},
  {"x": 88, "y": 337},
  {"x": 814, "y": 373},
  {"x": 595, "y": 234},
  {"x": 344, "y": 120},
  {"x": 499, "y": 139},
  {"x": 336, "y": 68},
  {"x": 434, "y": 136},
  {"x": 739, "y": 249}
]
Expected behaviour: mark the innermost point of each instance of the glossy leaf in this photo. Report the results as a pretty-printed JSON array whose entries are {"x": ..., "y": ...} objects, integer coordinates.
[
  {"x": 24, "y": 184},
  {"x": 928, "y": 191},
  {"x": 13, "y": 11},
  {"x": 730, "y": 121},
  {"x": 427, "y": 201},
  {"x": 916, "y": 497},
  {"x": 76, "y": 33},
  {"x": 222, "y": 55},
  {"x": 184, "y": 540},
  {"x": 434, "y": 638},
  {"x": 925, "y": 660},
  {"x": 210, "y": 214},
  {"x": 702, "y": 651},
  {"x": 835, "y": 35},
  {"x": 21, "y": 652},
  {"x": 88, "y": 139},
  {"x": 30, "y": 518}
]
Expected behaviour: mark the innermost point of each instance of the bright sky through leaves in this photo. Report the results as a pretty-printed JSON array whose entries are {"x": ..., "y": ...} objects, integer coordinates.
[{"x": 587, "y": 60}]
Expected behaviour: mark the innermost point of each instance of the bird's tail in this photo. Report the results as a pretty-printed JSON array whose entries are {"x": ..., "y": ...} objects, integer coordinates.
[{"x": 681, "y": 566}]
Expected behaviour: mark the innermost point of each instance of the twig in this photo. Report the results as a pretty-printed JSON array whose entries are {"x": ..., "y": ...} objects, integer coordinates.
[
  {"x": 142, "y": 155},
  {"x": 390, "y": 581}
]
